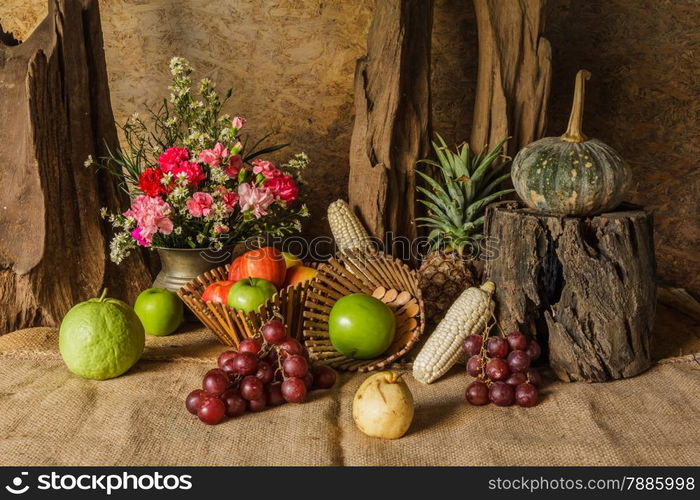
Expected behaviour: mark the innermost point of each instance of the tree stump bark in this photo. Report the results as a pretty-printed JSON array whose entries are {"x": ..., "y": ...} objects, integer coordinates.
[
  {"x": 55, "y": 110},
  {"x": 584, "y": 286},
  {"x": 392, "y": 117},
  {"x": 514, "y": 73}
]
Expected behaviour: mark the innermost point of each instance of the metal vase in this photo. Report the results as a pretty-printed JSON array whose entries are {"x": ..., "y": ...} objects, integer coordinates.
[{"x": 182, "y": 265}]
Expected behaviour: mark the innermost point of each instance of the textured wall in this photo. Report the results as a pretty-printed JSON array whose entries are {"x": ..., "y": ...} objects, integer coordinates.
[
  {"x": 291, "y": 66},
  {"x": 643, "y": 100}
]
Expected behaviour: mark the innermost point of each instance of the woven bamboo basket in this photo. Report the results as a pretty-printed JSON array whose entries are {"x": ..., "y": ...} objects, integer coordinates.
[
  {"x": 376, "y": 274},
  {"x": 232, "y": 326}
]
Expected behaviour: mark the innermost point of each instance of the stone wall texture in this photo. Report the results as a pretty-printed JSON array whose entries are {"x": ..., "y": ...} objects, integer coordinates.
[{"x": 290, "y": 64}]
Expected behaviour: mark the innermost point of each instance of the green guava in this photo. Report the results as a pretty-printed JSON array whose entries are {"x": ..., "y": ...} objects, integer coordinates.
[{"x": 101, "y": 338}]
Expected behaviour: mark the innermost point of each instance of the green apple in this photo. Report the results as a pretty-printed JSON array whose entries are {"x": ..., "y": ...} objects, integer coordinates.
[
  {"x": 361, "y": 326},
  {"x": 160, "y": 311},
  {"x": 249, "y": 294}
]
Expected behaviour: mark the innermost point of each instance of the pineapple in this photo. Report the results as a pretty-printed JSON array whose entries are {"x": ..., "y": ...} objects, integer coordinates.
[{"x": 465, "y": 183}]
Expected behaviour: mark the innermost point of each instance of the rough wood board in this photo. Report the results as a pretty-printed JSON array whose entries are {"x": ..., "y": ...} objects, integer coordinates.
[
  {"x": 585, "y": 286},
  {"x": 512, "y": 86},
  {"x": 53, "y": 245},
  {"x": 392, "y": 118}
]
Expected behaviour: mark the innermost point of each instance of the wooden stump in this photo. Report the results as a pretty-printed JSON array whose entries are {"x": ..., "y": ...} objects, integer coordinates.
[
  {"x": 392, "y": 117},
  {"x": 514, "y": 73},
  {"x": 584, "y": 286},
  {"x": 55, "y": 111}
]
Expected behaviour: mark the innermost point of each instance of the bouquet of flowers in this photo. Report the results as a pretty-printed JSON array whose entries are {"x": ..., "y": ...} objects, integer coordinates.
[{"x": 192, "y": 179}]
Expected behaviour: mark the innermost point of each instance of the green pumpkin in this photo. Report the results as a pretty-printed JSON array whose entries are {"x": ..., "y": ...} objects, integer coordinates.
[{"x": 571, "y": 174}]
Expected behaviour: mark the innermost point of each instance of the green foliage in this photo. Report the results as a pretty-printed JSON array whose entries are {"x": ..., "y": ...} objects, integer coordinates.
[{"x": 456, "y": 198}]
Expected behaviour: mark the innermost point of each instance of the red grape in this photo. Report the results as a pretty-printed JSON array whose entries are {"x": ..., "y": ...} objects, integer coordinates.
[
  {"x": 252, "y": 346},
  {"x": 274, "y": 332},
  {"x": 474, "y": 365},
  {"x": 194, "y": 400},
  {"x": 497, "y": 369},
  {"x": 265, "y": 372},
  {"x": 271, "y": 357},
  {"x": 294, "y": 390},
  {"x": 245, "y": 363},
  {"x": 308, "y": 381},
  {"x": 497, "y": 347},
  {"x": 324, "y": 377},
  {"x": 517, "y": 341},
  {"x": 533, "y": 350},
  {"x": 477, "y": 393},
  {"x": 258, "y": 404},
  {"x": 534, "y": 377},
  {"x": 518, "y": 361},
  {"x": 526, "y": 395},
  {"x": 291, "y": 347},
  {"x": 296, "y": 366},
  {"x": 223, "y": 357},
  {"x": 251, "y": 388},
  {"x": 516, "y": 379},
  {"x": 235, "y": 404},
  {"x": 215, "y": 381},
  {"x": 501, "y": 394},
  {"x": 274, "y": 394},
  {"x": 229, "y": 366},
  {"x": 212, "y": 411},
  {"x": 472, "y": 345}
]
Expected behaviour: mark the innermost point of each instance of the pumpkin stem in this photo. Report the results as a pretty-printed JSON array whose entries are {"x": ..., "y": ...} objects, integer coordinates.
[{"x": 573, "y": 131}]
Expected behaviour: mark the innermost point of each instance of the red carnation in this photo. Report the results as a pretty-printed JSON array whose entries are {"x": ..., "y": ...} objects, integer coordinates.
[
  {"x": 195, "y": 174},
  {"x": 283, "y": 187},
  {"x": 171, "y": 158},
  {"x": 150, "y": 182}
]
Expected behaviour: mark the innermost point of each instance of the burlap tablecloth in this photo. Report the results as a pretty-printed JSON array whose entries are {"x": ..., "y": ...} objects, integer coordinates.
[{"x": 50, "y": 417}]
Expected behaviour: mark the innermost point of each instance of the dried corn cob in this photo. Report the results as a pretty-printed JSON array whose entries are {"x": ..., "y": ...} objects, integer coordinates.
[
  {"x": 347, "y": 230},
  {"x": 469, "y": 315}
]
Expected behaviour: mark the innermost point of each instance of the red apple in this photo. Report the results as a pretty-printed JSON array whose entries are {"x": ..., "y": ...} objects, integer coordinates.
[
  {"x": 217, "y": 292},
  {"x": 299, "y": 274},
  {"x": 266, "y": 263}
]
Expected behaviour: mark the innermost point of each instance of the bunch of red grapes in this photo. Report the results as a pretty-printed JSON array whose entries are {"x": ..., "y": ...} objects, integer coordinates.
[
  {"x": 502, "y": 369},
  {"x": 260, "y": 374}
]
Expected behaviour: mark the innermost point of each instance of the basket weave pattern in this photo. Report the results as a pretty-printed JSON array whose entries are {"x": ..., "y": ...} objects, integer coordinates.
[
  {"x": 231, "y": 326},
  {"x": 376, "y": 274}
]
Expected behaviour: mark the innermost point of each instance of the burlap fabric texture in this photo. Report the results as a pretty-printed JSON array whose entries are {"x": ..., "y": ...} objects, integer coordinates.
[{"x": 50, "y": 417}]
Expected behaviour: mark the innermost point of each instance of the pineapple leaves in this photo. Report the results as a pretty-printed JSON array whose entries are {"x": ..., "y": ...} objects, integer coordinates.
[{"x": 457, "y": 197}]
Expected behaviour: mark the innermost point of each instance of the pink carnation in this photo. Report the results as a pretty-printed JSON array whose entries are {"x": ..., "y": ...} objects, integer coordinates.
[
  {"x": 195, "y": 174},
  {"x": 267, "y": 168},
  {"x": 235, "y": 164},
  {"x": 229, "y": 200},
  {"x": 283, "y": 187},
  {"x": 214, "y": 157},
  {"x": 255, "y": 199},
  {"x": 200, "y": 204},
  {"x": 171, "y": 158},
  {"x": 238, "y": 122},
  {"x": 136, "y": 234},
  {"x": 152, "y": 216}
]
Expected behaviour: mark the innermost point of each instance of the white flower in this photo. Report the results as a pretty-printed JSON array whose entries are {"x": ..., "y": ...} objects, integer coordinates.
[
  {"x": 89, "y": 161},
  {"x": 178, "y": 230},
  {"x": 201, "y": 238}
]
